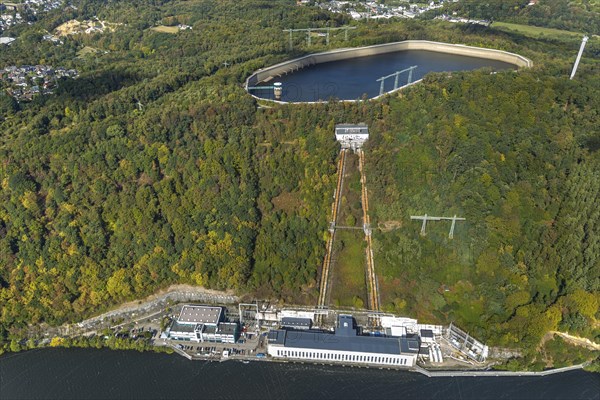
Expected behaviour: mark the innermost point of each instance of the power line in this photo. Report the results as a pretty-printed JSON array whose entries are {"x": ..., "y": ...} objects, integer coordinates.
[
  {"x": 310, "y": 30},
  {"x": 397, "y": 75},
  {"x": 426, "y": 218}
]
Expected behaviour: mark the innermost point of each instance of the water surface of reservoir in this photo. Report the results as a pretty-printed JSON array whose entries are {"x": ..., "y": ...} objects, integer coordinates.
[
  {"x": 104, "y": 374},
  {"x": 350, "y": 79}
]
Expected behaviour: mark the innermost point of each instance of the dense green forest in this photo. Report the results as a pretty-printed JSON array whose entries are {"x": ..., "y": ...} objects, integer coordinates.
[
  {"x": 155, "y": 167},
  {"x": 521, "y": 166},
  {"x": 578, "y": 16}
]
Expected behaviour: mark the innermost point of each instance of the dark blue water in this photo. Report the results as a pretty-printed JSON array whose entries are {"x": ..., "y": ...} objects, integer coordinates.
[
  {"x": 353, "y": 78},
  {"x": 105, "y": 374}
]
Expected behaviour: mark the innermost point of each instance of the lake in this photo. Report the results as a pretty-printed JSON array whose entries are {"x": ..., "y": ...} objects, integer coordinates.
[
  {"x": 106, "y": 374},
  {"x": 352, "y": 78}
]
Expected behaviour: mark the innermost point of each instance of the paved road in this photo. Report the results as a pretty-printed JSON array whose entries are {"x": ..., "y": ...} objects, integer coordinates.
[{"x": 152, "y": 308}]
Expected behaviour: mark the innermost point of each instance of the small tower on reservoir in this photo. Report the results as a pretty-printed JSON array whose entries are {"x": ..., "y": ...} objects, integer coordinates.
[
  {"x": 277, "y": 90},
  {"x": 351, "y": 136}
]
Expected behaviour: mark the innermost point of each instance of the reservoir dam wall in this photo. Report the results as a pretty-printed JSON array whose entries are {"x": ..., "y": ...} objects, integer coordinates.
[{"x": 269, "y": 73}]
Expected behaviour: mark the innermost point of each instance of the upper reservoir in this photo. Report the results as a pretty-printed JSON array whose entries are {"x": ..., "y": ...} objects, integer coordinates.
[{"x": 350, "y": 74}]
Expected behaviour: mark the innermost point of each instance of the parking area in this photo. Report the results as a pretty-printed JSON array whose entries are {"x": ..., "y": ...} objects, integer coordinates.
[{"x": 248, "y": 345}]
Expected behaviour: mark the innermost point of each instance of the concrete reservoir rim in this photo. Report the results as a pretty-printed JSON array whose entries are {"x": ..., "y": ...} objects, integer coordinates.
[{"x": 269, "y": 73}]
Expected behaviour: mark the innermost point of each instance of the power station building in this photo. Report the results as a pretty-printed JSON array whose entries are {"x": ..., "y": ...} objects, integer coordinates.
[
  {"x": 203, "y": 324},
  {"x": 345, "y": 345}
]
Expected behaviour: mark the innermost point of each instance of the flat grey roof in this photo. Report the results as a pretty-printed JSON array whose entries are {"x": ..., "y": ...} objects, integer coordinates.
[
  {"x": 345, "y": 326},
  {"x": 208, "y": 329},
  {"x": 363, "y": 344},
  {"x": 177, "y": 327},
  {"x": 227, "y": 327},
  {"x": 351, "y": 126},
  {"x": 410, "y": 344},
  {"x": 345, "y": 338},
  {"x": 342, "y": 129},
  {"x": 193, "y": 314},
  {"x": 428, "y": 333},
  {"x": 294, "y": 321},
  {"x": 276, "y": 336}
]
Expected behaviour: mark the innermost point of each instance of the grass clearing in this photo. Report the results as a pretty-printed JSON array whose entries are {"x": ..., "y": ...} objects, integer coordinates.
[
  {"x": 165, "y": 29},
  {"x": 286, "y": 201},
  {"x": 350, "y": 213},
  {"x": 348, "y": 281},
  {"x": 534, "y": 31},
  {"x": 86, "y": 51}
]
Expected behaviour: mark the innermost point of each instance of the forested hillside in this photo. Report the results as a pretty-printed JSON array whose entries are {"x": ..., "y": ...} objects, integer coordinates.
[
  {"x": 519, "y": 161},
  {"x": 155, "y": 167},
  {"x": 578, "y": 16}
]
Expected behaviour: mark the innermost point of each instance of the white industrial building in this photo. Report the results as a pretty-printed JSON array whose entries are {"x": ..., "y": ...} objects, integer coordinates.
[
  {"x": 278, "y": 316},
  {"x": 199, "y": 323},
  {"x": 399, "y": 326},
  {"x": 345, "y": 346},
  {"x": 351, "y": 136}
]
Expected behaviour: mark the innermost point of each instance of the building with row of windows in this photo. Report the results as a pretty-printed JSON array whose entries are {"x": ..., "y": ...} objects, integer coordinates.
[
  {"x": 198, "y": 323},
  {"x": 351, "y": 136},
  {"x": 345, "y": 345}
]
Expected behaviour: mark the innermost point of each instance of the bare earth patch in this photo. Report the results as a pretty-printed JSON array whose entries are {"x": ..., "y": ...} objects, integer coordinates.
[
  {"x": 386, "y": 226},
  {"x": 75, "y": 27},
  {"x": 578, "y": 341},
  {"x": 286, "y": 201}
]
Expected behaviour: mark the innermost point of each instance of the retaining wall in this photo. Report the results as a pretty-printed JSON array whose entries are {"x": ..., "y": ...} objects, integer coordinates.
[
  {"x": 440, "y": 374},
  {"x": 267, "y": 74}
]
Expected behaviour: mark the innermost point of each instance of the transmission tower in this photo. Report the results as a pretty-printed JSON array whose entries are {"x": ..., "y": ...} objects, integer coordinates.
[{"x": 426, "y": 218}]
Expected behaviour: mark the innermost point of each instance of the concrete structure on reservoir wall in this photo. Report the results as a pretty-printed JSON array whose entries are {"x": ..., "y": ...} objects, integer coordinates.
[
  {"x": 268, "y": 74},
  {"x": 343, "y": 346}
]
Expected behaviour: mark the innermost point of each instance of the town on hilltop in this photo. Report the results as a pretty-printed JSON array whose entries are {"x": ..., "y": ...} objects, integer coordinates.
[
  {"x": 376, "y": 10},
  {"x": 26, "y": 11},
  {"x": 27, "y": 81}
]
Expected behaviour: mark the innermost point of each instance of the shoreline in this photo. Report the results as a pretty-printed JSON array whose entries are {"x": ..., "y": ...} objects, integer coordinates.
[
  {"x": 415, "y": 369},
  {"x": 161, "y": 346}
]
